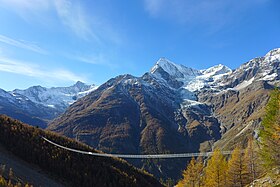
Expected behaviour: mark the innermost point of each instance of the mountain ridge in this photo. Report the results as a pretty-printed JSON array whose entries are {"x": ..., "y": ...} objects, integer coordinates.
[{"x": 38, "y": 105}]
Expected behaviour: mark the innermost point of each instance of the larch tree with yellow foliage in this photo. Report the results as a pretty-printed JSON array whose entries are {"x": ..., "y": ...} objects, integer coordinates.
[
  {"x": 252, "y": 160},
  {"x": 216, "y": 170},
  {"x": 193, "y": 174},
  {"x": 237, "y": 169}
]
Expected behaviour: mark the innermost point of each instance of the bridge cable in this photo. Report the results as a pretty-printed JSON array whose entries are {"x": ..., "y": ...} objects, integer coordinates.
[{"x": 178, "y": 155}]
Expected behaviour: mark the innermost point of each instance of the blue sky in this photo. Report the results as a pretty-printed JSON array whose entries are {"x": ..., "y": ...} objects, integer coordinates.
[{"x": 58, "y": 42}]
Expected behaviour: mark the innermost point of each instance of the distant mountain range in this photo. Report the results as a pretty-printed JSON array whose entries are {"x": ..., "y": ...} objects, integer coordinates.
[
  {"x": 38, "y": 105},
  {"x": 171, "y": 109}
]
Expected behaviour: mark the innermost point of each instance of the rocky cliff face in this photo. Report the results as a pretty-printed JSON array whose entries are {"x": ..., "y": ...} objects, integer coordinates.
[{"x": 172, "y": 109}]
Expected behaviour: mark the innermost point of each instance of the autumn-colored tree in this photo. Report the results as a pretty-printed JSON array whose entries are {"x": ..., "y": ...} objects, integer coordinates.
[
  {"x": 216, "y": 170},
  {"x": 252, "y": 160},
  {"x": 193, "y": 173},
  {"x": 237, "y": 169},
  {"x": 199, "y": 169},
  {"x": 3, "y": 182},
  {"x": 189, "y": 174},
  {"x": 270, "y": 132}
]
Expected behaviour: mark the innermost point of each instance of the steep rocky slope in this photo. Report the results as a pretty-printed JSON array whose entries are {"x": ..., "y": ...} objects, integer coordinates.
[
  {"x": 171, "y": 109},
  {"x": 240, "y": 107}
]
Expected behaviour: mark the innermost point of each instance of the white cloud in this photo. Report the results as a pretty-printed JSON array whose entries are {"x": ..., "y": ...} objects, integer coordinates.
[
  {"x": 96, "y": 59},
  {"x": 27, "y": 9},
  {"x": 24, "y": 5},
  {"x": 22, "y": 44},
  {"x": 70, "y": 13},
  {"x": 73, "y": 16},
  {"x": 99, "y": 59},
  {"x": 153, "y": 6},
  {"x": 31, "y": 70}
]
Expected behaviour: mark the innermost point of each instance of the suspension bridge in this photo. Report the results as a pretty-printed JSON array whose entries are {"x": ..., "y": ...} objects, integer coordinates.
[{"x": 147, "y": 156}]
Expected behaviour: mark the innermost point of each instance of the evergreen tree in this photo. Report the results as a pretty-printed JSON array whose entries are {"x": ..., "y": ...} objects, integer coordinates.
[
  {"x": 270, "y": 132},
  {"x": 237, "y": 169},
  {"x": 215, "y": 171}
]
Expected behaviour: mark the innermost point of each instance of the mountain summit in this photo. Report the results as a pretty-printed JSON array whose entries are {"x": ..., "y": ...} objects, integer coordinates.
[{"x": 174, "y": 70}]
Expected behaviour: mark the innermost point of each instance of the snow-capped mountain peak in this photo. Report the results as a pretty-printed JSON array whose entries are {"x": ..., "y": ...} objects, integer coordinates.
[
  {"x": 273, "y": 52},
  {"x": 179, "y": 76},
  {"x": 171, "y": 74},
  {"x": 80, "y": 86},
  {"x": 174, "y": 70}
]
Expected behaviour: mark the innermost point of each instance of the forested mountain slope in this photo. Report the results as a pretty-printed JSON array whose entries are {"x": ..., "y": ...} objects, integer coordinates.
[{"x": 76, "y": 169}]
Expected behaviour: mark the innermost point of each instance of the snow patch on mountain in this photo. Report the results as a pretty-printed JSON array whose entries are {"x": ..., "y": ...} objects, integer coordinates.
[
  {"x": 269, "y": 77},
  {"x": 244, "y": 84},
  {"x": 86, "y": 92},
  {"x": 273, "y": 55},
  {"x": 189, "y": 103},
  {"x": 216, "y": 70},
  {"x": 5, "y": 94},
  {"x": 208, "y": 78}
]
